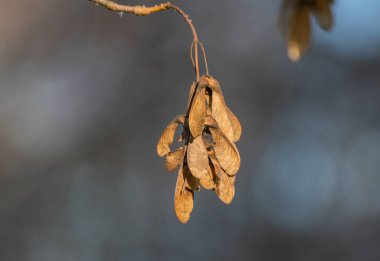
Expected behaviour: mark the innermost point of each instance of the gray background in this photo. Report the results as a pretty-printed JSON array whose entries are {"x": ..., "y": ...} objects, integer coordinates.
[{"x": 85, "y": 94}]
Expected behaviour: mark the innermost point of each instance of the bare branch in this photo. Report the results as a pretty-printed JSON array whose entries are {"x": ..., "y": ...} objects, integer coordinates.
[{"x": 141, "y": 10}]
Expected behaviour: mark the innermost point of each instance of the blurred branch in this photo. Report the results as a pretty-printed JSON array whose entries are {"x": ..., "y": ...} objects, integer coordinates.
[{"x": 141, "y": 10}]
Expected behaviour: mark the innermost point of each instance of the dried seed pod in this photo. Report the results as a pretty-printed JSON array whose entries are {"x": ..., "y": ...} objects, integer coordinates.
[
  {"x": 226, "y": 152},
  {"x": 219, "y": 112},
  {"x": 224, "y": 117},
  {"x": 174, "y": 159},
  {"x": 215, "y": 166},
  {"x": 197, "y": 112},
  {"x": 208, "y": 181},
  {"x": 208, "y": 157},
  {"x": 191, "y": 182},
  {"x": 167, "y": 137},
  {"x": 197, "y": 158},
  {"x": 183, "y": 197},
  {"x": 225, "y": 189},
  {"x": 236, "y": 127}
]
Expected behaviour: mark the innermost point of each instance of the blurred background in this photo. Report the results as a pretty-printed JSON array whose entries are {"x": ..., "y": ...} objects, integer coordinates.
[{"x": 85, "y": 94}]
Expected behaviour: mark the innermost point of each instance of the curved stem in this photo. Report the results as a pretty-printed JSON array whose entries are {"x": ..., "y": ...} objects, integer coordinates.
[
  {"x": 141, "y": 10},
  {"x": 195, "y": 36}
]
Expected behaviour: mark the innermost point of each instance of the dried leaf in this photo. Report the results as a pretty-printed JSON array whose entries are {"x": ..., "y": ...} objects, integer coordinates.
[
  {"x": 197, "y": 112},
  {"x": 323, "y": 14},
  {"x": 226, "y": 152},
  {"x": 167, "y": 137},
  {"x": 183, "y": 198},
  {"x": 225, "y": 189},
  {"x": 197, "y": 158},
  {"x": 174, "y": 159}
]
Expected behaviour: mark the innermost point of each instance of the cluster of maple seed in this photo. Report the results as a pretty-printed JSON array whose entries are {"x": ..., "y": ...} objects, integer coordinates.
[
  {"x": 206, "y": 156},
  {"x": 294, "y": 23}
]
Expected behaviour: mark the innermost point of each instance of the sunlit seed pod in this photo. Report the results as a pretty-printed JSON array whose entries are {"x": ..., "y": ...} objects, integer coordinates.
[
  {"x": 183, "y": 197},
  {"x": 197, "y": 158},
  {"x": 226, "y": 152},
  {"x": 197, "y": 112},
  {"x": 191, "y": 182},
  {"x": 174, "y": 159},
  {"x": 208, "y": 181},
  {"x": 167, "y": 136},
  {"x": 225, "y": 189}
]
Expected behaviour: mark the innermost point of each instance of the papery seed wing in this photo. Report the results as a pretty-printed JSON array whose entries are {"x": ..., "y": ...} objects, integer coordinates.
[
  {"x": 220, "y": 113},
  {"x": 208, "y": 181},
  {"x": 215, "y": 167},
  {"x": 226, "y": 120},
  {"x": 191, "y": 182},
  {"x": 226, "y": 152},
  {"x": 183, "y": 198},
  {"x": 225, "y": 189},
  {"x": 323, "y": 14},
  {"x": 174, "y": 159},
  {"x": 232, "y": 179},
  {"x": 191, "y": 94},
  {"x": 197, "y": 112},
  {"x": 210, "y": 121},
  {"x": 197, "y": 158},
  {"x": 236, "y": 127},
  {"x": 167, "y": 136}
]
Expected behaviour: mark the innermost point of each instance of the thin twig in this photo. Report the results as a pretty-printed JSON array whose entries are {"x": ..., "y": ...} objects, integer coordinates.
[
  {"x": 204, "y": 57},
  {"x": 141, "y": 10}
]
